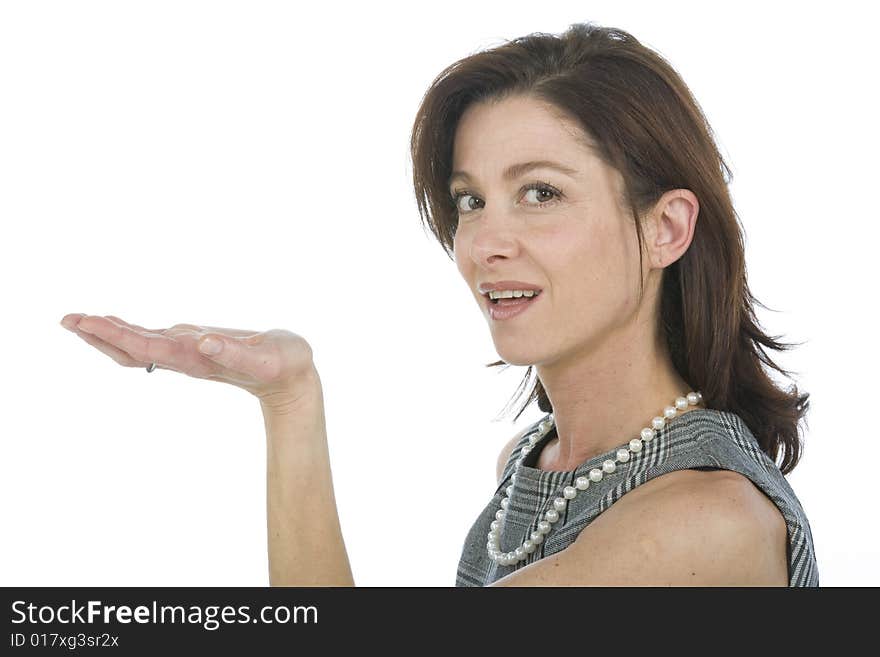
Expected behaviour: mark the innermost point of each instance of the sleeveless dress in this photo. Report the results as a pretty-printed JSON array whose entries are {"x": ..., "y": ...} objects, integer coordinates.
[{"x": 700, "y": 439}]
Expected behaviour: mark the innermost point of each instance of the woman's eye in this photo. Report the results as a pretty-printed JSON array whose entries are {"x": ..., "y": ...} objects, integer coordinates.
[
  {"x": 467, "y": 206},
  {"x": 541, "y": 194},
  {"x": 535, "y": 194}
]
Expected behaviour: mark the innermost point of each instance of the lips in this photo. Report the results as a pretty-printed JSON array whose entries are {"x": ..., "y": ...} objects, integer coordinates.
[{"x": 485, "y": 288}]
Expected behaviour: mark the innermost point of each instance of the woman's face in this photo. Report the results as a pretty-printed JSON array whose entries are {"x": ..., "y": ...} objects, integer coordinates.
[{"x": 578, "y": 246}]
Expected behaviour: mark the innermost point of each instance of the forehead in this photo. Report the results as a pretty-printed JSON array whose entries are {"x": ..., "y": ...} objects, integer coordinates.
[{"x": 517, "y": 128}]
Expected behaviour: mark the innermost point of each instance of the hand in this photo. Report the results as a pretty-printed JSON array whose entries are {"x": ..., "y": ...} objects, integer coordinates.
[{"x": 276, "y": 366}]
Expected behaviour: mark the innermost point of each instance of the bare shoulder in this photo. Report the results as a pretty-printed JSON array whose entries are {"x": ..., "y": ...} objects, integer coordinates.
[
  {"x": 506, "y": 451},
  {"x": 684, "y": 528},
  {"x": 726, "y": 494},
  {"x": 716, "y": 521}
]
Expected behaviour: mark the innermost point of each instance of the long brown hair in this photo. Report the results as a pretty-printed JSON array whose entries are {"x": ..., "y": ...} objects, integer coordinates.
[{"x": 647, "y": 126}]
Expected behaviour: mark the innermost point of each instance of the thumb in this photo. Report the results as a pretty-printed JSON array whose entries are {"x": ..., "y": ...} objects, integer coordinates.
[
  {"x": 233, "y": 354},
  {"x": 211, "y": 345},
  {"x": 225, "y": 351}
]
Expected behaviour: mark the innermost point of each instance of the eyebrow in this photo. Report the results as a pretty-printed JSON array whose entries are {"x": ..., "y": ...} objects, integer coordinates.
[{"x": 514, "y": 171}]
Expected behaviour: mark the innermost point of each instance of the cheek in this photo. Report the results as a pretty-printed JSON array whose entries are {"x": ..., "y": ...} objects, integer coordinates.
[
  {"x": 593, "y": 275},
  {"x": 460, "y": 254}
]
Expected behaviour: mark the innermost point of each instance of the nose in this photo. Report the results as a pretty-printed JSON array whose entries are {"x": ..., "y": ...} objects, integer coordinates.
[{"x": 493, "y": 238}]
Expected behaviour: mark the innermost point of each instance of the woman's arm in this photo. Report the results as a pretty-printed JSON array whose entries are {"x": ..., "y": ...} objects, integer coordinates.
[
  {"x": 306, "y": 547},
  {"x": 276, "y": 366}
]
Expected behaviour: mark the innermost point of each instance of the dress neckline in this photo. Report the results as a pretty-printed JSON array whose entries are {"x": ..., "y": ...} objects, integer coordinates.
[{"x": 529, "y": 471}]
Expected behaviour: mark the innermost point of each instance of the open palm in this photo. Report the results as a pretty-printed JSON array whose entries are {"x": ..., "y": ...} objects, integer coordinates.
[{"x": 274, "y": 365}]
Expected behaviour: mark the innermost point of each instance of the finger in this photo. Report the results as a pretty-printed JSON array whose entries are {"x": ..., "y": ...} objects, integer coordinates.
[
  {"x": 70, "y": 320},
  {"x": 122, "y": 322},
  {"x": 121, "y": 357},
  {"x": 192, "y": 327},
  {"x": 149, "y": 347},
  {"x": 239, "y": 333}
]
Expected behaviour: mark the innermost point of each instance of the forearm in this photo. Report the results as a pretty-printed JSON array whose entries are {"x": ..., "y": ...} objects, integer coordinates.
[{"x": 306, "y": 547}]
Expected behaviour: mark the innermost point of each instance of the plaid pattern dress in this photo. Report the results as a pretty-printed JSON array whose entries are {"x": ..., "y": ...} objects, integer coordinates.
[{"x": 700, "y": 439}]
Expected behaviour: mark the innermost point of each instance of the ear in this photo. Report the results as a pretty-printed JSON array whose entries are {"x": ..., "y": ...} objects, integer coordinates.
[{"x": 671, "y": 226}]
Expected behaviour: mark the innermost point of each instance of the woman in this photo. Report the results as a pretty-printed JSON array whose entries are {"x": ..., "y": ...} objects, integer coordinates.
[{"x": 575, "y": 183}]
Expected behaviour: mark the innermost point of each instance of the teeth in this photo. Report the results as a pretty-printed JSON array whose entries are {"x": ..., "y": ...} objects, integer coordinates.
[{"x": 508, "y": 294}]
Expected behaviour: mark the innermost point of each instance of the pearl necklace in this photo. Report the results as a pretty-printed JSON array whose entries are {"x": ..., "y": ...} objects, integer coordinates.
[{"x": 570, "y": 492}]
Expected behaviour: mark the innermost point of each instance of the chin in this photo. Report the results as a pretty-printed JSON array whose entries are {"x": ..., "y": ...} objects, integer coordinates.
[{"x": 520, "y": 359}]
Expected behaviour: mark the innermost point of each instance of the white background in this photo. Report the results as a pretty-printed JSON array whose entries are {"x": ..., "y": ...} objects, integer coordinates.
[{"x": 246, "y": 164}]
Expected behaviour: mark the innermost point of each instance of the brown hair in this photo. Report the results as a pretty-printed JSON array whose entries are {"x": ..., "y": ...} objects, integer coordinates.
[{"x": 647, "y": 125}]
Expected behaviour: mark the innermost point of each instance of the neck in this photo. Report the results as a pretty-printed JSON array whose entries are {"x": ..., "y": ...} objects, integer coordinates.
[{"x": 603, "y": 400}]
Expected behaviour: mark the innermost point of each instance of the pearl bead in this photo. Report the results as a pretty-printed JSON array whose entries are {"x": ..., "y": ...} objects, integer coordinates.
[{"x": 609, "y": 466}]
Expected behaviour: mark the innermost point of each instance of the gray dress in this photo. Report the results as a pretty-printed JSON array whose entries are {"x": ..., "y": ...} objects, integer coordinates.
[{"x": 699, "y": 439}]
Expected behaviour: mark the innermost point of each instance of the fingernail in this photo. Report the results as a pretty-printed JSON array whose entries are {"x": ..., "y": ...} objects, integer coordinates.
[{"x": 211, "y": 346}]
